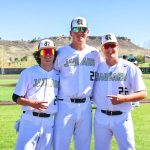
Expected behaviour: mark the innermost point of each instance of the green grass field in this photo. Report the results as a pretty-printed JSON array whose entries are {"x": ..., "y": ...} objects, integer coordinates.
[
  {"x": 5, "y": 91},
  {"x": 9, "y": 114},
  {"x": 144, "y": 64},
  {"x": 147, "y": 84}
]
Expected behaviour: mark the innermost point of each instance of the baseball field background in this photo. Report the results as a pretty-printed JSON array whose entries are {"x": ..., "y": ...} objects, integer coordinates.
[{"x": 9, "y": 113}]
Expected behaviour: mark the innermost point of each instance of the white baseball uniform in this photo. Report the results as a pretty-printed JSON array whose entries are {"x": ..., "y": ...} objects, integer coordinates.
[
  {"x": 36, "y": 132},
  {"x": 76, "y": 84},
  {"x": 122, "y": 78}
]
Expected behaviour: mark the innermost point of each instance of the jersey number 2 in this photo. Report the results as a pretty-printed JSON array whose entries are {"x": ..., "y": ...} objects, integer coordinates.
[{"x": 123, "y": 90}]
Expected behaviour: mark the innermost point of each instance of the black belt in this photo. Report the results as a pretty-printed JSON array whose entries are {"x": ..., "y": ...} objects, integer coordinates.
[
  {"x": 76, "y": 100},
  {"x": 111, "y": 113},
  {"x": 39, "y": 114}
]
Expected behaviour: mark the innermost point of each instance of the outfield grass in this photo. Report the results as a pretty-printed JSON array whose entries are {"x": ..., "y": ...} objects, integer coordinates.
[
  {"x": 141, "y": 119},
  {"x": 144, "y": 64},
  {"x": 9, "y": 114},
  {"x": 147, "y": 84},
  {"x": 5, "y": 91}
]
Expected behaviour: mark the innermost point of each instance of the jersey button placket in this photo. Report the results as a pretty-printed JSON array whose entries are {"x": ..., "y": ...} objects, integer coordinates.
[{"x": 109, "y": 90}]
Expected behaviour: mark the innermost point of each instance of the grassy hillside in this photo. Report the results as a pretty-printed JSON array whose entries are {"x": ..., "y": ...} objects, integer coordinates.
[{"x": 19, "y": 53}]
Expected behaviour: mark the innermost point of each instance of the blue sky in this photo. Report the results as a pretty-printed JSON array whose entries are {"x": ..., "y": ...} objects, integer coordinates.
[{"x": 26, "y": 19}]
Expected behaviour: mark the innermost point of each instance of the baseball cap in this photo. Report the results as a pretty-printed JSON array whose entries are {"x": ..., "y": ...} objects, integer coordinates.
[
  {"x": 108, "y": 38},
  {"x": 46, "y": 43},
  {"x": 135, "y": 62},
  {"x": 79, "y": 22}
]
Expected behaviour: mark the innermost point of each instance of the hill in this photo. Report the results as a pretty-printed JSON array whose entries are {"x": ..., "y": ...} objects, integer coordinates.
[{"x": 19, "y": 53}]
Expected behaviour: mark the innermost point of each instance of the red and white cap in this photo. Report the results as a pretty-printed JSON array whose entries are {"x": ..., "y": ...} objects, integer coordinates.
[
  {"x": 46, "y": 43},
  {"x": 108, "y": 38},
  {"x": 79, "y": 22}
]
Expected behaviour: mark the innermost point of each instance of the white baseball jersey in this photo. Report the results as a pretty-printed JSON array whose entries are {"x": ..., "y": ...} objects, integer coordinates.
[
  {"x": 37, "y": 84},
  {"x": 122, "y": 78},
  {"x": 76, "y": 67},
  {"x": 76, "y": 81}
]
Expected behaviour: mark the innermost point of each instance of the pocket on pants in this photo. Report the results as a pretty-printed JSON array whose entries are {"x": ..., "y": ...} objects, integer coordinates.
[{"x": 17, "y": 125}]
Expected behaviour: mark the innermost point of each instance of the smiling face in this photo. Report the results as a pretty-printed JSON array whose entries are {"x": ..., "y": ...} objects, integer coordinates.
[
  {"x": 79, "y": 36},
  {"x": 79, "y": 32},
  {"x": 47, "y": 56},
  {"x": 110, "y": 50},
  {"x": 47, "y": 59}
]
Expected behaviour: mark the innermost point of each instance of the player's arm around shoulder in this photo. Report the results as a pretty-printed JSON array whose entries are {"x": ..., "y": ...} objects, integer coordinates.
[
  {"x": 97, "y": 55},
  {"x": 62, "y": 51}
]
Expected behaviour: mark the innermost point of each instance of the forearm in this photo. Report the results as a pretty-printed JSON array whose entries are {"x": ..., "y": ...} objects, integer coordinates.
[
  {"x": 37, "y": 104},
  {"x": 23, "y": 101},
  {"x": 135, "y": 96}
]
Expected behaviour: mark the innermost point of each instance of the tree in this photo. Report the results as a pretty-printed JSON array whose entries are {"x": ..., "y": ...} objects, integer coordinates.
[
  {"x": 25, "y": 58},
  {"x": 33, "y": 40},
  {"x": 140, "y": 59}
]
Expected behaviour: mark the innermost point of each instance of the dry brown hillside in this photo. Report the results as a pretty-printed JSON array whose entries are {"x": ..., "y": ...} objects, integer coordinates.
[{"x": 19, "y": 53}]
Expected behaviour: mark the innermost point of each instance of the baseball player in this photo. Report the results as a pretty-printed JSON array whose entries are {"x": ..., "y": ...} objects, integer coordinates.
[
  {"x": 118, "y": 83},
  {"x": 36, "y": 90},
  {"x": 75, "y": 62}
]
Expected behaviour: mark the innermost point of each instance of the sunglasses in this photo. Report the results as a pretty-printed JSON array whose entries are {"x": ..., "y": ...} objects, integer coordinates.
[
  {"x": 106, "y": 46},
  {"x": 45, "y": 52},
  {"x": 79, "y": 29}
]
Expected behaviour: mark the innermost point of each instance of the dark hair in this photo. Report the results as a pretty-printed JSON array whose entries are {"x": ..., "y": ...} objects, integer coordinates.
[
  {"x": 36, "y": 55},
  {"x": 124, "y": 56}
]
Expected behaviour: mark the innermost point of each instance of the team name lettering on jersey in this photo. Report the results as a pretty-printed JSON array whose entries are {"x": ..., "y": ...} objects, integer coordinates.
[
  {"x": 45, "y": 82},
  {"x": 110, "y": 77},
  {"x": 107, "y": 76},
  {"x": 76, "y": 62}
]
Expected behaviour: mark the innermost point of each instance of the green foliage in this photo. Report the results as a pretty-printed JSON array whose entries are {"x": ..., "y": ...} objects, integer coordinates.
[
  {"x": 16, "y": 59},
  {"x": 33, "y": 40},
  {"x": 123, "y": 38},
  {"x": 25, "y": 58},
  {"x": 140, "y": 59}
]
